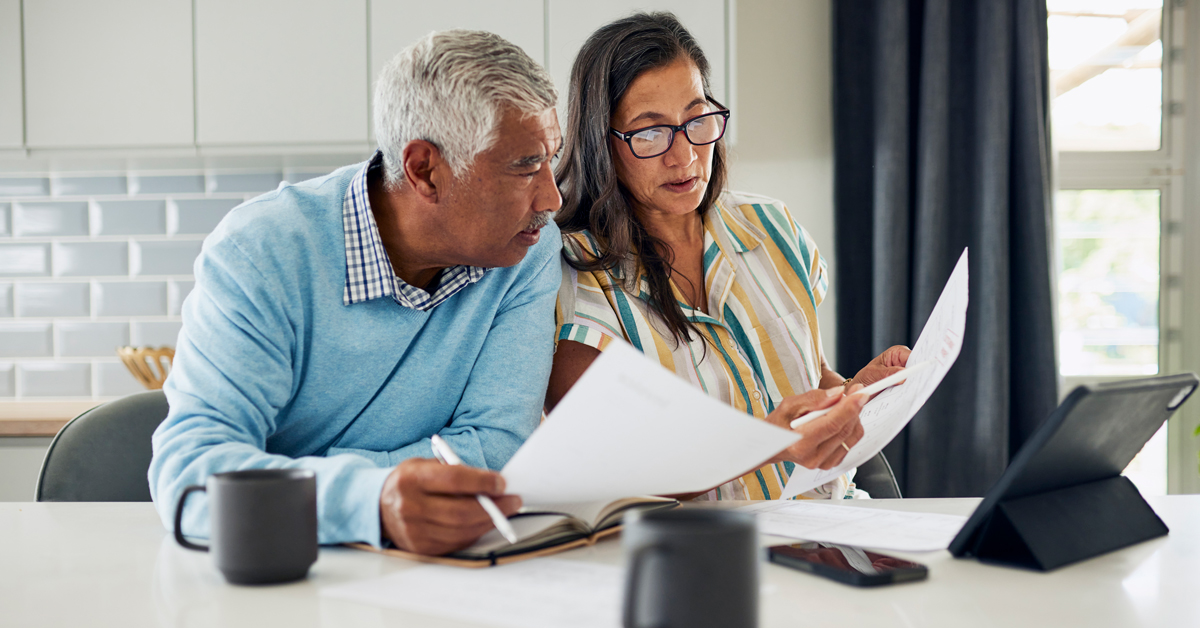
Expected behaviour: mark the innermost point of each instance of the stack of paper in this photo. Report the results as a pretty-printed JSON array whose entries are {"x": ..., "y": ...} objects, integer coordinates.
[{"x": 862, "y": 527}]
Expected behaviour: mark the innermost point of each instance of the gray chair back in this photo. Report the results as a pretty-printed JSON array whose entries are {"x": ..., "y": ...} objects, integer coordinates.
[
  {"x": 103, "y": 454},
  {"x": 875, "y": 477}
]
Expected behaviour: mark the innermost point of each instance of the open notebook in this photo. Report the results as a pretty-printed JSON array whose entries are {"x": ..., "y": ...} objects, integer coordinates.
[{"x": 541, "y": 530}]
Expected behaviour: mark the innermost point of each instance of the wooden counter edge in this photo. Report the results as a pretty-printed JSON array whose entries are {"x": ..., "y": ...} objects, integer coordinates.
[{"x": 40, "y": 418}]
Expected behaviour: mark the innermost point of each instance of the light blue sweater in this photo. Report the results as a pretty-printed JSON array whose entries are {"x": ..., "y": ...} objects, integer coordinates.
[{"x": 271, "y": 368}]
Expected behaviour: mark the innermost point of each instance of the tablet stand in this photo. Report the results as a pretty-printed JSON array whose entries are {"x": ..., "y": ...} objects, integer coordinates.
[{"x": 1051, "y": 529}]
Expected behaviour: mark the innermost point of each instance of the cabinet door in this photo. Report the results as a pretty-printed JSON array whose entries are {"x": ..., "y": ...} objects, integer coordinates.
[
  {"x": 281, "y": 72},
  {"x": 108, "y": 73},
  {"x": 12, "y": 115},
  {"x": 395, "y": 24},
  {"x": 572, "y": 22}
]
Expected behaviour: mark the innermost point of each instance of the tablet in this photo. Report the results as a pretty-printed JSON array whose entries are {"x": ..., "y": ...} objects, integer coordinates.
[{"x": 1092, "y": 436}]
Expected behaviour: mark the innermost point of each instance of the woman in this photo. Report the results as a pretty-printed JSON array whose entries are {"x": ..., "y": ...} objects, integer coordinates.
[{"x": 720, "y": 287}]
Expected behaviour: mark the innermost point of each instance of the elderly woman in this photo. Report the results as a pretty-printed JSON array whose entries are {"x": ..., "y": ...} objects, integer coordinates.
[{"x": 720, "y": 287}]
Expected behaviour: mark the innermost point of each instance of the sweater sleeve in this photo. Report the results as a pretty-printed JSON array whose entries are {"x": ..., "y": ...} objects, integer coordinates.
[{"x": 232, "y": 374}]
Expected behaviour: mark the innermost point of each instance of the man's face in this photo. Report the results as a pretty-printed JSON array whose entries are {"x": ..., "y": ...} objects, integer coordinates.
[{"x": 495, "y": 212}]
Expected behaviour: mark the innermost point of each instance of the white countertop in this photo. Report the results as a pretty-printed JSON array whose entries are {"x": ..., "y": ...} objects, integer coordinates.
[{"x": 113, "y": 564}]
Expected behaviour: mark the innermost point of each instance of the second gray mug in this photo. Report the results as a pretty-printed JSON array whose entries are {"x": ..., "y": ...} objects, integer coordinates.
[{"x": 690, "y": 567}]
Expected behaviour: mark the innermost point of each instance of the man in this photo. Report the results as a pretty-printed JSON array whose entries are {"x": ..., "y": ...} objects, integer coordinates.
[{"x": 337, "y": 324}]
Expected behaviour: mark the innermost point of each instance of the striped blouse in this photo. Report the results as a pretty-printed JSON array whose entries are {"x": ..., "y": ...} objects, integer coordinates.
[{"x": 760, "y": 343}]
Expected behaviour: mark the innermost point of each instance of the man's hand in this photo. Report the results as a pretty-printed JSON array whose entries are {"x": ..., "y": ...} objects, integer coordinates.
[
  {"x": 820, "y": 445},
  {"x": 430, "y": 508},
  {"x": 892, "y": 360}
]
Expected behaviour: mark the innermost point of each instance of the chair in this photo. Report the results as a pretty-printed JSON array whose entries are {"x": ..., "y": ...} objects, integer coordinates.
[
  {"x": 103, "y": 454},
  {"x": 875, "y": 477}
]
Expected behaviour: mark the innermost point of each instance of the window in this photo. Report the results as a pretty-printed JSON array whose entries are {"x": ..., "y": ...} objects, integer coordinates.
[{"x": 1116, "y": 69}]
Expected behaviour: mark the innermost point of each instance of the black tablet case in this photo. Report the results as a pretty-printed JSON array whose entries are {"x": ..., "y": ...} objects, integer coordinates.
[{"x": 1063, "y": 498}]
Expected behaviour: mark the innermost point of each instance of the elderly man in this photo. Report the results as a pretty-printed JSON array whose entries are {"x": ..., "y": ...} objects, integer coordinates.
[{"x": 336, "y": 325}]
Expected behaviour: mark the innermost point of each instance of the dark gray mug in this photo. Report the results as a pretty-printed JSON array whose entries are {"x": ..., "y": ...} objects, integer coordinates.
[
  {"x": 263, "y": 524},
  {"x": 690, "y": 567}
]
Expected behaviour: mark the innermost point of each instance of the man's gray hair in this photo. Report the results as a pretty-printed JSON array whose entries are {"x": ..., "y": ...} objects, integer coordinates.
[{"x": 451, "y": 89}]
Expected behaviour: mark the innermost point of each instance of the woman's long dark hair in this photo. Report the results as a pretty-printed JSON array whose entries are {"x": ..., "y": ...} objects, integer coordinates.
[{"x": 593, "y": 199}]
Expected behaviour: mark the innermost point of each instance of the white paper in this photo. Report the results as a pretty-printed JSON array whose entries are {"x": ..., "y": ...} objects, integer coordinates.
[
  {"x": 630, "y": 427},
  {"x": 543, "y": 593},
  {"x": 885, "y": 415},
  {"x": 861, "y": 527}
]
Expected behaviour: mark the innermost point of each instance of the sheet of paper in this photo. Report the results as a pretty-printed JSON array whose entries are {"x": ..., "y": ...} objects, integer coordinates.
[
  {"x": 543, "y": 593},
  {"x": 883, "y": 418},
  {"x": 630, "y": 427},
  {"x": 861, "y": 527}
]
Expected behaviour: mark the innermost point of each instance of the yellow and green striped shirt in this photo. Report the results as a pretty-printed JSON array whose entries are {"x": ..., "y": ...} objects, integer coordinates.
[{"x": 764, "y": 278}]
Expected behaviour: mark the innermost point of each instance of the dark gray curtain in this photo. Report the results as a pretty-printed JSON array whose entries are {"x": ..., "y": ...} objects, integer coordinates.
[{"x": 942, "y": 142}]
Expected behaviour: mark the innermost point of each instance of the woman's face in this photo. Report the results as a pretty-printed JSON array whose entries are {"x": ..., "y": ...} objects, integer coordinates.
[{"x": 674, "y": 182}]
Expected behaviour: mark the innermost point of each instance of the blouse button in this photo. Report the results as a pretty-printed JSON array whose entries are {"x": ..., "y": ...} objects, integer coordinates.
[{"x": 757, "y": 395}]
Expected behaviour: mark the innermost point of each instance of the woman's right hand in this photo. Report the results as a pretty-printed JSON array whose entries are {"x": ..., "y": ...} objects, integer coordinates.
[{"x": 821, "y": 439}]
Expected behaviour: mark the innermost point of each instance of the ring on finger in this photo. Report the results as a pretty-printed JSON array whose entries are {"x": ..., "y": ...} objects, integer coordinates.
[{"x": 845, "y": 447}]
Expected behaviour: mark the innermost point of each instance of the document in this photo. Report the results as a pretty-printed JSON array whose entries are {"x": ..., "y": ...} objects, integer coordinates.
[
  {"x": 885, "y": 415},
  {"x": 546, "y": 593},
  {"x": 630, "y": 427},
  {"x": 861, "y": 527}
]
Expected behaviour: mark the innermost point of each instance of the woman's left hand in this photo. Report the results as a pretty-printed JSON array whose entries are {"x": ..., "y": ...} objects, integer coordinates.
[{"x": 892, "y": 360}]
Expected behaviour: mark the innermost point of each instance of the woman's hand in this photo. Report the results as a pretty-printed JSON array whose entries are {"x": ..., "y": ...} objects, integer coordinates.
[
  {"x": 893, "y": 360},
  {"x": 821, "y": 439}
]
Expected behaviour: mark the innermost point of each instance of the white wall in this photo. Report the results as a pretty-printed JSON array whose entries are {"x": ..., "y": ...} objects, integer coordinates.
[{"x": 784, "y": 114}]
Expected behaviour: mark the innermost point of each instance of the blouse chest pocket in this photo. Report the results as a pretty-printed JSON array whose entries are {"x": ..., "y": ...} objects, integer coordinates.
[{"x": 786, "y": 355}]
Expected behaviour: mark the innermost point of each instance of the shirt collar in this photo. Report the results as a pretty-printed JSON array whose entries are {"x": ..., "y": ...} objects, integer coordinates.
[{"x": 369, "y": 273}]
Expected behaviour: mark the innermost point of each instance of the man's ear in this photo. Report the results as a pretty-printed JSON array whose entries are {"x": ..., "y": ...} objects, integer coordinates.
[{"x": 423, "y": 164}]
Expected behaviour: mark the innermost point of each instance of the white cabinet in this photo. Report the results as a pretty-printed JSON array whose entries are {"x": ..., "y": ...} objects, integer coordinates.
[
  {"x": 12, "y": 119},
  {"x": 571, "y": 22},
  {"x": 395, "y": 24},
  {"x": 281, "y": 72},
  {"x": 107, "y": 73}
]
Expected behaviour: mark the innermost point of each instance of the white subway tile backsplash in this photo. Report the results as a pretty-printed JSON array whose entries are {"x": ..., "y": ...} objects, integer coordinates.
[
  {"x": 8, "y": 380},
  {"x": 88, "y": 186},
  {"x": 173, "y": 257},
  {"x": 24, "y": 260},
  {"x": 24, "y": 186},
  {"x": 40, "y": 218},
  {"x": 54, "y": 299},
  {"x": 55, "y": 379},
  {"x": 155, "y": 334},
  {"x": 131, "y": 298},
  {"x": 114, "y": 380},
  {"x": 26, "y": 340},
  {"x": 200, "y": 216},
  {"x": 101, "y": 235},
  {"x": 177, "y": 291},
  {"x": 82, "y": 340},
  {"x": 113, "y": 217},
  {"x": 169, "y": 184},
  {"x": 80, "y": 259},
  {"x": 257, "y": 182}
]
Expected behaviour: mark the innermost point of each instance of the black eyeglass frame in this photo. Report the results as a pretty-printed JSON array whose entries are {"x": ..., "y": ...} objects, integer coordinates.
[{"x": 628, "y": 137}]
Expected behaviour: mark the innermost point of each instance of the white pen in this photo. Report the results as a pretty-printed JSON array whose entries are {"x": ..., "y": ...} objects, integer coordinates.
[
  {"x": 879, "y": 386},
  {"x": 446, "y": 455}
]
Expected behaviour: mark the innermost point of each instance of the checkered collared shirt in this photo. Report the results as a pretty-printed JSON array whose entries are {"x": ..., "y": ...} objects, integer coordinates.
[{"x": 369, "y": 273}]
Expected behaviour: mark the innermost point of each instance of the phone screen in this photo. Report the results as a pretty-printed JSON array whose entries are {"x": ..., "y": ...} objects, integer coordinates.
[
  {"x": 845, "y": 557},
  {"x": 850, "y": 565}
]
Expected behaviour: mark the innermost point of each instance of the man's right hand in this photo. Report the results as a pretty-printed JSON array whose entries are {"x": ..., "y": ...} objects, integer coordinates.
[{"x": 430, "y": 508}]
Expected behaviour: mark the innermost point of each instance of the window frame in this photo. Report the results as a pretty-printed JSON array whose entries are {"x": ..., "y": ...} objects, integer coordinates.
[{"x": 1163, "y": 170}]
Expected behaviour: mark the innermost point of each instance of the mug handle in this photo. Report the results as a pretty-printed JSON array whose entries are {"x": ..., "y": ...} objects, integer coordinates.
[
  {"x": 179, "y": 520},
  {"x": 631, "y": 585}
]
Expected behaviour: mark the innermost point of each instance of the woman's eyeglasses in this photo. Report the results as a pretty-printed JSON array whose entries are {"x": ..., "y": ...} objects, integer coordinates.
[{"x": 653, "y": 141}]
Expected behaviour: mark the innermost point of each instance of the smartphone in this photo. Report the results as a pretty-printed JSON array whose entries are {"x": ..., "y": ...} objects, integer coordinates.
[{"x": 846, "y": 564}]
